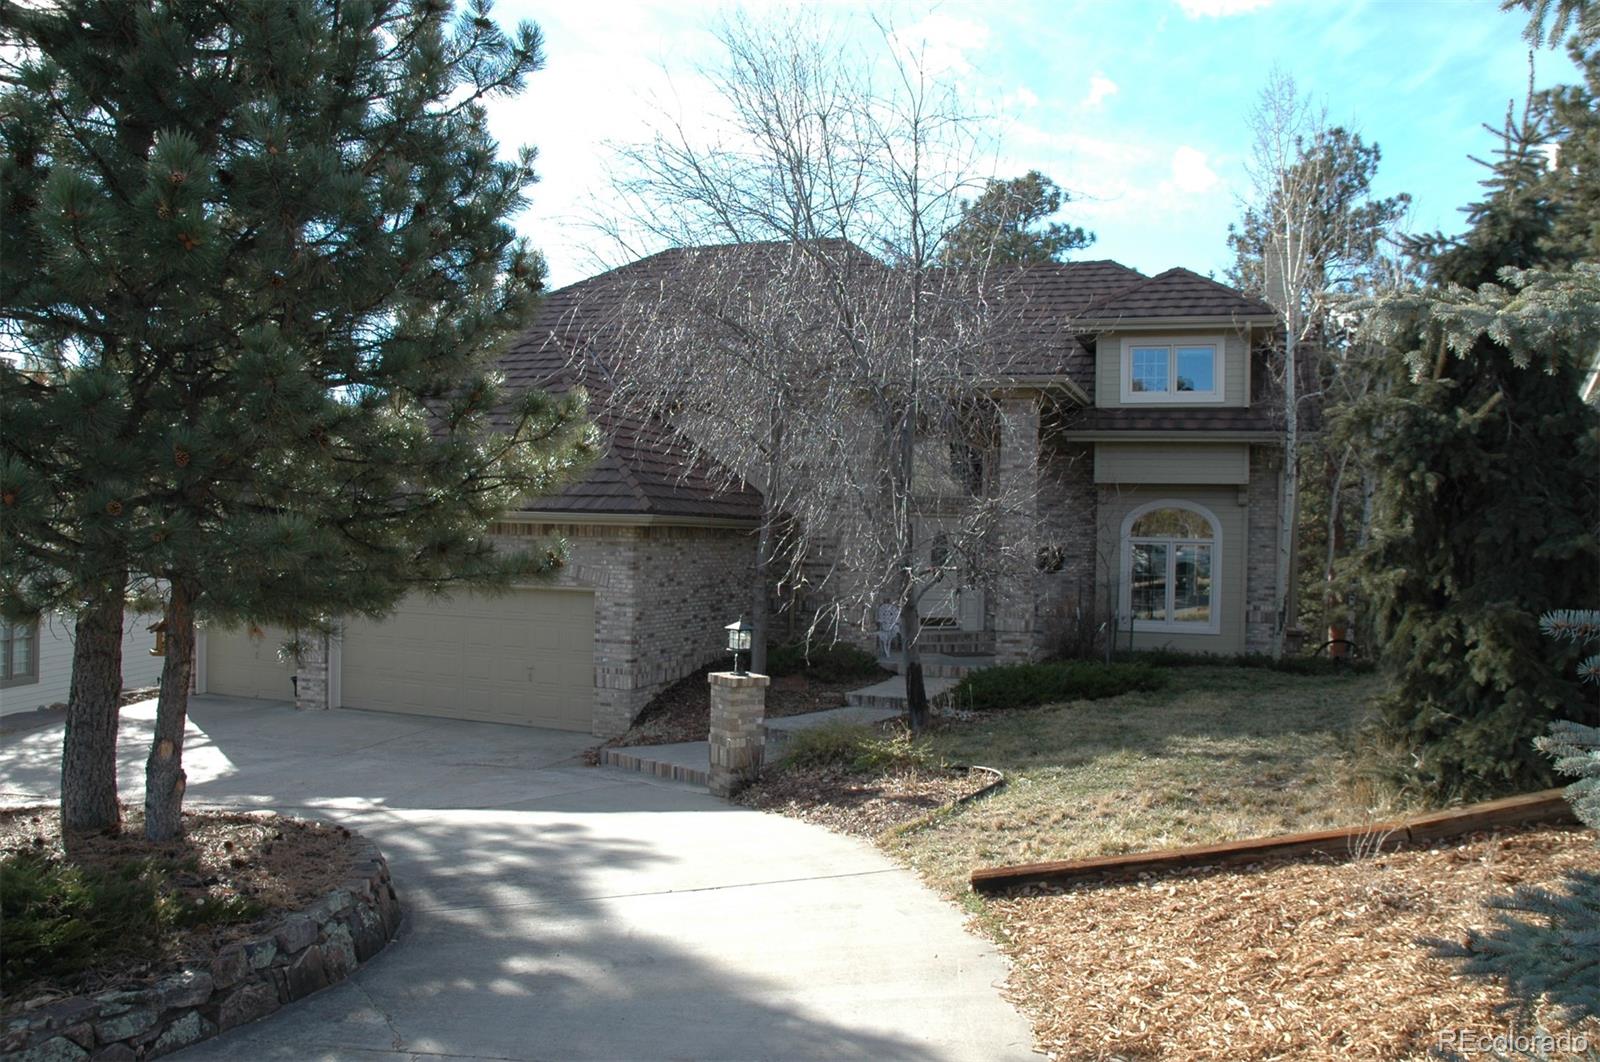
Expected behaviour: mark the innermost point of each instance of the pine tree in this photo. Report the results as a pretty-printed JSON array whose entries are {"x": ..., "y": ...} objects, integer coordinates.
[
  {"x": 272, "y": 260},
  {"x": 1487, "y": 494},
  {"x": 1010, "y": 222}
]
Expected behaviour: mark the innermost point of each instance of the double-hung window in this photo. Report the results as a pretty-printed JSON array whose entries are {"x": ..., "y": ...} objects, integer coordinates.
[
  {"x": 19, "y": 653},
  {"x": 1175, "y": 371}
]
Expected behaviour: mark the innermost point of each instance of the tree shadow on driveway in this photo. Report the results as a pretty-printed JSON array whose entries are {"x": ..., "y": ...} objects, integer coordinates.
[{"x": 555, "y": 911}]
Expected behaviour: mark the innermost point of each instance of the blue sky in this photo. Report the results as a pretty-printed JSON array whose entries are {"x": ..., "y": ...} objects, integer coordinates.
[{"x": 1139, "y": 108}]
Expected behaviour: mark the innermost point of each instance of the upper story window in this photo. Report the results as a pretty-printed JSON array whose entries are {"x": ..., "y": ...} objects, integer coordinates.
[
  {"x": 1177, "y": 371},
  {"x": 19, "y": 653}
]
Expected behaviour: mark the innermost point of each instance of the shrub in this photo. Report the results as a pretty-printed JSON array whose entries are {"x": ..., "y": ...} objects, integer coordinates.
[
  {"x": 1023, "y": 685},
  {"x": 59, "y": 919},
  {"x": 855, "y": 747},
  {"x": 838, "y": 662},
  {"x": 1292, "y": 665}
]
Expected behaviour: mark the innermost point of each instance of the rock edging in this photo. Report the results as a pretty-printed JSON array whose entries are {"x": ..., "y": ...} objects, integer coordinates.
[{"x": 306, "y": 951}]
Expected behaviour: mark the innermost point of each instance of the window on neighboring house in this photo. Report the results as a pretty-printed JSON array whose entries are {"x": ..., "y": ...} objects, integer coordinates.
[
  {"x": 1169, "y": 568},
  {"x": 1178, "y": 371},
  {"x": 19, "y": 653}
]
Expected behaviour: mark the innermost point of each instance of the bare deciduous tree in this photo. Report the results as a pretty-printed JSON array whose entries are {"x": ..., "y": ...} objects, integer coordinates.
[
  {"x": 1311, "y": 233},
  {"x": 827, "y": 357}
]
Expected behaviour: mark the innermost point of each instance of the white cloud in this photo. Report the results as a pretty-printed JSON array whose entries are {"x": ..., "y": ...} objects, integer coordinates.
[
  {"x": 1221, "y": 8},
  {"x": 1191, "y": 171},
  {"x": 941, "y": 42},
  {"x": 1100, "y": 87}
]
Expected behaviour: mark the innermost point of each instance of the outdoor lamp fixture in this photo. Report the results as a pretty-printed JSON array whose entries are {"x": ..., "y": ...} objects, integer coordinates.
[
  {"x": 738, "y": 641},
  {"x": 160, "y": 631}
]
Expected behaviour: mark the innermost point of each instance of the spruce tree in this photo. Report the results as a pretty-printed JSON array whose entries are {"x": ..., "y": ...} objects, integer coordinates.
[
  {"x": 1486, "y": 491},
  {"x": 272, "y": 261}
]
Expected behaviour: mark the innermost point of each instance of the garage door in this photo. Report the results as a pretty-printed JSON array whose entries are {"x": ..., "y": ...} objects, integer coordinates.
[
  {"x": 524, "y": 657},
  {"x": 243, "y": 666}
]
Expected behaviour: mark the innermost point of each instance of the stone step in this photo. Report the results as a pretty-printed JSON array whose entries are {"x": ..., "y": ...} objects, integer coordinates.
[
  {"x": 955, "y": 642},
  {"x": 943, "y": 665},
  {"x": 891, "y": 693},
  {"x": 688, "y": 762}
]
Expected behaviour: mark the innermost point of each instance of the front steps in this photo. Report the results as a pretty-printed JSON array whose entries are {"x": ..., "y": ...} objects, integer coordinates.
[
  {"x": 891, "y": 693},
  {"x": 941, "y": 665}
]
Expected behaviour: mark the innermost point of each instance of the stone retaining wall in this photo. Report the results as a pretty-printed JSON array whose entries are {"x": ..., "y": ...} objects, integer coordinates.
[{"x": 304, "y": 952}]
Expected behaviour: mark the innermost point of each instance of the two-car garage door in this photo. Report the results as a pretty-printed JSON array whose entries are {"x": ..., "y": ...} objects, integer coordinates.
[{"x": 524, "y": 657}]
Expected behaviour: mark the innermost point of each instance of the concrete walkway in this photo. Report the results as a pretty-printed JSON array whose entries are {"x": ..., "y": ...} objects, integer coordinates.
[{"x": 555, "y": 911}]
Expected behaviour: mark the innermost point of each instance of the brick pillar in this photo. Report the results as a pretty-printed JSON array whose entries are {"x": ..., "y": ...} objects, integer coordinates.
[
  {"x": 738, "y": 730},
  {"x": 311, "y": 673},
  {"x": 1016, "y": 627},
  {"x": 1261, "y": 548}
]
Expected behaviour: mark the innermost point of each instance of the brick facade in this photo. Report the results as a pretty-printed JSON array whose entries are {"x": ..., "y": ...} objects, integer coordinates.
[{"x": 1261, "y": 549}]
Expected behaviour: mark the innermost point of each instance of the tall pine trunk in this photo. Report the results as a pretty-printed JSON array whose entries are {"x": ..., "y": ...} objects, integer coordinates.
[
  {"x": 89, "y": 747},
  {"x": 164, "y": 780}
]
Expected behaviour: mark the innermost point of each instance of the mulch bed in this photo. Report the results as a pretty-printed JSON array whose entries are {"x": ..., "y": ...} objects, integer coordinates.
[
  {"x": 861, "y": 804},
  {"x": 682, "y": 711},
  {"x": 279, "y": 863},
  {"x": 1310, "y": 959}
]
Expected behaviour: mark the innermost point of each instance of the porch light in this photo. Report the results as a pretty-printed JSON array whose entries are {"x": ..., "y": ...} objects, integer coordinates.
[{"x": 738, "y": 641}]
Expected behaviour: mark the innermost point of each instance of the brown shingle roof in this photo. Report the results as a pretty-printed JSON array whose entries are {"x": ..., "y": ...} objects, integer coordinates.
[
  {"x": 1175, "y": 293},
  {"x": 1232, "y": 418},
  {"x": 648, "y": 470}
]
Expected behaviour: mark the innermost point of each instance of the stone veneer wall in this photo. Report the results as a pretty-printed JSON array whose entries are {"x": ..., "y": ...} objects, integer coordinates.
[
  {"x": 1068, "y": 504},
  {"x": 303, "y": 953},
  {"x": 1015, "y": 606},
  {"x": 1261, "y": 547},
  {"x": 662, "y": 597}
]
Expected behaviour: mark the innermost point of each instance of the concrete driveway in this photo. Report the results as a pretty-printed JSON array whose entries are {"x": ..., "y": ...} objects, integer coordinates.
[{"x": 556, "y": 911}]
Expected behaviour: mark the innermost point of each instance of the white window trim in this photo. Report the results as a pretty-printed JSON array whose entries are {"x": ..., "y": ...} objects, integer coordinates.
[
  {"x": 1125, "y": 576},
  {"x": 1175, "y": 398}
]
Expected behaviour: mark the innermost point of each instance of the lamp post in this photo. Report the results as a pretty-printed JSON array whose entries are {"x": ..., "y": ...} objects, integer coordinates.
[{"x": 738, "y": 633}]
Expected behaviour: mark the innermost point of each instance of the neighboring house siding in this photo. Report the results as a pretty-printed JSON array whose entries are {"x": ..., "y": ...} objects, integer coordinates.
[
  {"x": 1108, "y": 366},
  {"x": 139, "y": 668},
  {"x": 1188, "y": 463}
]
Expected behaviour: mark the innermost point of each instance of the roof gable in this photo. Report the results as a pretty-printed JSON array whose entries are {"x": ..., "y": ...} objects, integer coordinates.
[{"x": 1177, "y": 292}]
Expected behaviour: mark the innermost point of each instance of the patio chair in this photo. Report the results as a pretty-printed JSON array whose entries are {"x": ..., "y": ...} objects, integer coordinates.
[{"x": 888, "y": 628}]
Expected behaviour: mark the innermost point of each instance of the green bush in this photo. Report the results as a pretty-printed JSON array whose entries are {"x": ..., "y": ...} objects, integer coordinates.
[
  {"x": 58, "y": 919},
  {"x": 825, "y": 663},
  {"x": 1292, "y": 665},
  {"x": 855, "y": 747},
  {"x": 1024, "y": 685}
]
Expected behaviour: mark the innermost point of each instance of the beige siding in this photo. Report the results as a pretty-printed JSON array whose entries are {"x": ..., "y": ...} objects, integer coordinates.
[
  {"x": 523, "y": 657},
  {"x": 139, "y": 668},
  {"x": 1227, "y": 505},
  {"x": 248, "y": 663},
  {"x": 1188, "y": 463},
  {"x": 1235, "y": 367}
]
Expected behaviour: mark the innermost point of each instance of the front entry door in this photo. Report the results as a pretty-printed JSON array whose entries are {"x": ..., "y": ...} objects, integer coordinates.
[{"x": 944, "y": 599}]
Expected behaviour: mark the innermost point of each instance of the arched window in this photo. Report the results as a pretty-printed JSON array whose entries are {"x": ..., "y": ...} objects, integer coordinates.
[{"x": 1169, "y": 568}]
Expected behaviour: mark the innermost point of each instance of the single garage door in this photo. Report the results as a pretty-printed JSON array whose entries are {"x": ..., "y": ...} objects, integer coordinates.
[
  {"x": 241, "y": 665},
  {"x": 523, "y": 657}
]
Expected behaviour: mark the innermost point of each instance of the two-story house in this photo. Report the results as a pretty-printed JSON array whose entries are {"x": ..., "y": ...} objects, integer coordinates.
[{"x": 1135, "y": 415}]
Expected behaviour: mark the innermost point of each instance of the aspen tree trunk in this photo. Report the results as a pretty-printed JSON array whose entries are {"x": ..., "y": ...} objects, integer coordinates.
[
  {"x": 89, "y": 746},
  {"x": 164, "y": 780}
]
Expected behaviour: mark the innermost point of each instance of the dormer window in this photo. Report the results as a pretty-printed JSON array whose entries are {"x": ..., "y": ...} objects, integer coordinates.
[{"x": 1178, "y": 371}]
